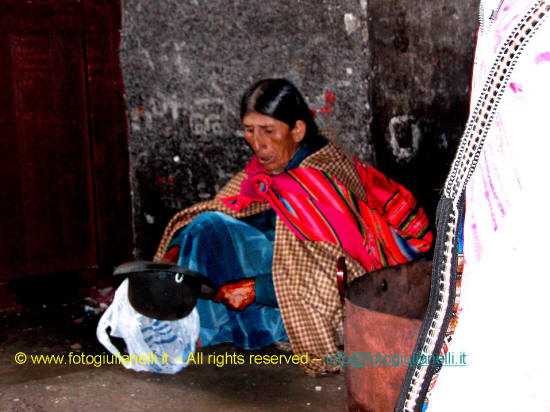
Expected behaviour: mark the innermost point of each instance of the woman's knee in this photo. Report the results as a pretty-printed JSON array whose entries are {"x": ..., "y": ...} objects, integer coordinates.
[{"x": 204, "y": 222}]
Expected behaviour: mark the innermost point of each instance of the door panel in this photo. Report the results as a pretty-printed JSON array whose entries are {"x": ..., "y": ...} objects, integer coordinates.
[
  {"x": 65, "y": 192},
  {"x": 12, "y": 237}
]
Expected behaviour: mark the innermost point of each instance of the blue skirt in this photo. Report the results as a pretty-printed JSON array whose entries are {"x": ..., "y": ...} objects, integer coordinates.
[{"x": 226, "y": 249}]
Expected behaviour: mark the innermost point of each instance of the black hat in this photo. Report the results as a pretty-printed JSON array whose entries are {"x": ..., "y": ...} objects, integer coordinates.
[{"x": 164, "y": 291}]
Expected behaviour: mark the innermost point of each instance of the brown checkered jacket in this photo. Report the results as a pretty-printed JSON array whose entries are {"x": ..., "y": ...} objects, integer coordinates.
[{"x": 304, "y": 272}]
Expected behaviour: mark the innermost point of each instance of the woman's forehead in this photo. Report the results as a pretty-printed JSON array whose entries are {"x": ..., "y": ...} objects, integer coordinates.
[{"x": 258, "y": 119}]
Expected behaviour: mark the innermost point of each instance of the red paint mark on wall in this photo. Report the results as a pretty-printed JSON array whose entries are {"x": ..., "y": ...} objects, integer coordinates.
[
  {"x": 329, "y": 100},
  {"x": 161, "y": 180},
  {"x": 543, "y": 57}
]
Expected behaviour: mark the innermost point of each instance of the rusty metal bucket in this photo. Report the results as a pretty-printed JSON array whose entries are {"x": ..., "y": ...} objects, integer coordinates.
[{"x": 383, "y": 313}]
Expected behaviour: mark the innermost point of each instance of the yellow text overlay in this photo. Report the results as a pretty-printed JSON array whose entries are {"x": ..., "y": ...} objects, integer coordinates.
[
  {"x": 73, "y": 358},
  {"x": 151, "y": 358},
  {"x": 224, "y": 359}
]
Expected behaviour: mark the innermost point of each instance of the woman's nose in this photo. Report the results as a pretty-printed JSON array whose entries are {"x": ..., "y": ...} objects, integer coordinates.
[{"x": 258, "y": 142}]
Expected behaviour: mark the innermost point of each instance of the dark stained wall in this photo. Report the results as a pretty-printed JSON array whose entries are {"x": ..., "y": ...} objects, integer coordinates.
[
  {"x": 186, "y": 64},
  {"x": 421, "y": 61}
]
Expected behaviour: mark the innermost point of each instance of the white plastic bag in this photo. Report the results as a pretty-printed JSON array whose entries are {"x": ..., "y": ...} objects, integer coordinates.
[{"x": 153, "y": 345}]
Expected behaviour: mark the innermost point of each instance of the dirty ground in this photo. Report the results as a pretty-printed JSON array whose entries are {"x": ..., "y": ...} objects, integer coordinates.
[{"x": 62, "y": 328}]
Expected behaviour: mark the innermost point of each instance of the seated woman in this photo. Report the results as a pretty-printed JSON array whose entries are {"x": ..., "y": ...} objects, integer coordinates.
[{"x": 271, "y": 237}]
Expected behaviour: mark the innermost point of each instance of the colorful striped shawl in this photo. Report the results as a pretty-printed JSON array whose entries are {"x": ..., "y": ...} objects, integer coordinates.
[{"x": 387, "y": 229}]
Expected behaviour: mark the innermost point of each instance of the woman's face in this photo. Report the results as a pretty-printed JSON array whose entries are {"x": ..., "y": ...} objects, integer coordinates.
[{"x": 272, "y": 141}]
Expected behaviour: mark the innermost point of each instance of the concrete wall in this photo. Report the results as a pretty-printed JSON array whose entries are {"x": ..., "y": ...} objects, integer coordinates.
[
  {"x": 421, "y": 61},
  {"x": 398, "y": 71}
]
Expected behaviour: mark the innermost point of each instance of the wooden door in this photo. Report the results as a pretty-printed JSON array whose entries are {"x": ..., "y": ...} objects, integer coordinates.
[{"x": 63, "y": 146}]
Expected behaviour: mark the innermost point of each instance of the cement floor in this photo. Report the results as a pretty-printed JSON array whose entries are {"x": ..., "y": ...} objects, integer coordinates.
[{"x": 60, "y": 329}]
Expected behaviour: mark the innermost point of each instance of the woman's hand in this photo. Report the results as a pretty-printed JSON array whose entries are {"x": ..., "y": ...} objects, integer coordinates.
[{"x": 237, "y": 295}]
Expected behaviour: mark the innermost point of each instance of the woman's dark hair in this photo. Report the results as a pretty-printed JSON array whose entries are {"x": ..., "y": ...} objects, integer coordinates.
[{"x": 280, "y": 99}]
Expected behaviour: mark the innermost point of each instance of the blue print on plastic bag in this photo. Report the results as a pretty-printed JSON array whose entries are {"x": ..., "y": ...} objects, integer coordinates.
[{"x": 170, "y": 344}]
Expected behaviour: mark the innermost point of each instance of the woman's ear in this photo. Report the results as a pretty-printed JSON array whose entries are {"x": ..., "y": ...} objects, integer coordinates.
[{"x": 299, "y": 131}]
